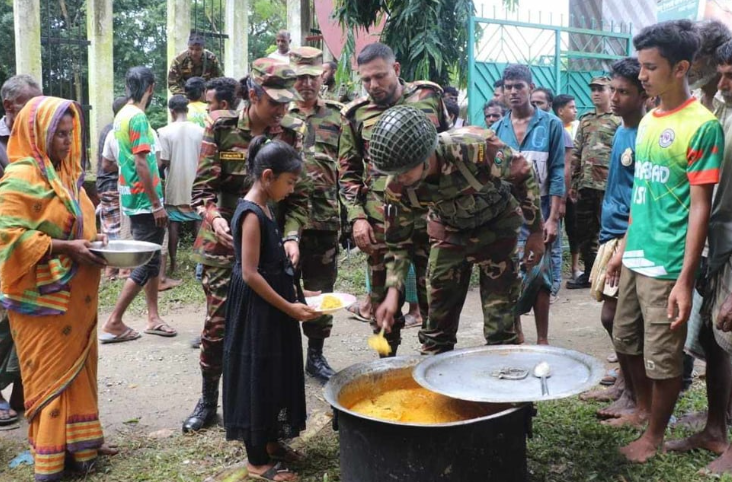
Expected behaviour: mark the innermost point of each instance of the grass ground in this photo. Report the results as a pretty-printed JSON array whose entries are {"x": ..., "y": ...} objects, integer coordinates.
[{"x": 569, "y": 445}]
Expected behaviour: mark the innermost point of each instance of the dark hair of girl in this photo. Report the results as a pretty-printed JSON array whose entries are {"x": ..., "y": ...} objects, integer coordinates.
[
  {"x": 275, "y": 155},
  {"x": 247, "y": 83}
]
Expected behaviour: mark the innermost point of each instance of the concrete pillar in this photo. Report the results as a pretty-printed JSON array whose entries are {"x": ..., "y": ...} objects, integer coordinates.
[
  {"x": 101, "y": 70},
  {"x": 236, "y": 50},
  {"x": 27, "y": 19},
  {"x": 295, "y": 22},
  {"x": 178, "y": 30}
]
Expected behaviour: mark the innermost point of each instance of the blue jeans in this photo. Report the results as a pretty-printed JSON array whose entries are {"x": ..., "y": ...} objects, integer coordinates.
[
  {"x": 546, "y": 207},
  {"x": 556, "y": 247}
]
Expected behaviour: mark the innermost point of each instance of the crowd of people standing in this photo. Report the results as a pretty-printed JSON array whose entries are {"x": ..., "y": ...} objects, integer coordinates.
[{"x": 271, "y": 170}]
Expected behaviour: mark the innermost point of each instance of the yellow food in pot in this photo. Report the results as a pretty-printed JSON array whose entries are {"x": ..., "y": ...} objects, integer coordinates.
[
  {"x": 418, "y": 405},
  {"x": 330, "y": 302}
]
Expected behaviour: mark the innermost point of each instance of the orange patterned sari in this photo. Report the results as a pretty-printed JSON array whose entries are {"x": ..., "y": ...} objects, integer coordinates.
[{"x": 51, "y": 300}]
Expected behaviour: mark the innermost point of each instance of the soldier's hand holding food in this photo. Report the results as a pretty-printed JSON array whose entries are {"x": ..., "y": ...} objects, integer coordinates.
[
  {"x": 387, "y": 310},
  {"x": 363, "y": 235}
]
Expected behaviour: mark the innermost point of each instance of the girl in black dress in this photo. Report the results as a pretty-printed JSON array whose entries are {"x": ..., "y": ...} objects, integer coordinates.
[{"x": 264, "y": 384}]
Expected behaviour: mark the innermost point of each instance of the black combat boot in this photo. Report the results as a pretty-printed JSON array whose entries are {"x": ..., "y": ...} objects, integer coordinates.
[
  {"x": 317, "y": 366},
  {"x": 205, "y": 412}
]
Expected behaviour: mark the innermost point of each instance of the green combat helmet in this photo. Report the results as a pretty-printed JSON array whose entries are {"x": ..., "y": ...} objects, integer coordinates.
[{"x": 402, "y": 139}]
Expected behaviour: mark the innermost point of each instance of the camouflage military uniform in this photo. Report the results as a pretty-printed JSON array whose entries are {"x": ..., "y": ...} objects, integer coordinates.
[
  {"x": 362, "y": 187},
  {"x": 221, "y": 180},
  {"x": 474, "y": 218},
  {"x": 590, "y": 166},
  {"x": 183, "y": 69},
  {"x": 319, "y": 243},
  {"x": 337, "y": 93}
]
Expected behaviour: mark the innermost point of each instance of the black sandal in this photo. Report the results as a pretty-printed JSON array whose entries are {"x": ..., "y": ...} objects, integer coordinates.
[
  {"x": 274, "y": 471},
  {"x": 287, "y": 454}
]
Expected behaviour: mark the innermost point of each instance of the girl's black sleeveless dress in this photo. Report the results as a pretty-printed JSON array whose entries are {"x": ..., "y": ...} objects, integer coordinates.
[{"x": 264, "y": 382}]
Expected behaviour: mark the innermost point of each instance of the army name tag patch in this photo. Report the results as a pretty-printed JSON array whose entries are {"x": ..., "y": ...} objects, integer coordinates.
[{"x": 231, "y": 156}]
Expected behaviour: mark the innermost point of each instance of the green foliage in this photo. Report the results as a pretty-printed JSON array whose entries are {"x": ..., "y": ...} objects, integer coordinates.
[
  {"x": 7, "y": 40},
  {"x": 429, "y": 37},
  {"x": 266, "y": 18},
  {"x": 140, "y": 39}
]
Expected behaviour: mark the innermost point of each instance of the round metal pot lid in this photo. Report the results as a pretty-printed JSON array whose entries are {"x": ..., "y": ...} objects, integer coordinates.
[{"x": 505, "y": 374}]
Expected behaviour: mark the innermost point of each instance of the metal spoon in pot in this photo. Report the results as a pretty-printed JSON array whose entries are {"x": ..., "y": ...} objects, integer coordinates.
[{"x": 542, "y": 370}]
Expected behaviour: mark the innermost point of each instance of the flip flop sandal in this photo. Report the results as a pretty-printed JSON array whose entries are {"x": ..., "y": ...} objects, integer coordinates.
[
  {"x": 128, "y": 335},
  {"x": 410, "y": 321},
  {"x": 157, "y": 330},
  {"x": 277, "y": 469},
  {"x": 353, "y": 310},
  {"x": 609, "y": 379},
  {"x": 288, "y": 455},
  {"x": 11, "y": 419}
]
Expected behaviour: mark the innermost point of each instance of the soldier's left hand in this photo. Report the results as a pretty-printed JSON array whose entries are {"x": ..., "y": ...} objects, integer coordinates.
[
  {"x": 533, "y": 250},
  {"x": 551, "y": 227},
  {"x": 292, "y": 249}
]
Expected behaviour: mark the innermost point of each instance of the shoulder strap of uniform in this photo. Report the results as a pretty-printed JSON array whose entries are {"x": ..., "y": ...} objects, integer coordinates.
[
  {"x": 426, "y": 84},
  {"x": 222, "y": 117},
  {"x": 351, "y": 107},
  {"x": 334, "y": 104},
  {"x": 445, "y": 138}
]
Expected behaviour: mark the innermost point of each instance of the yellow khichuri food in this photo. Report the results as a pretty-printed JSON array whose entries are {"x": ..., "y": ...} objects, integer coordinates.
[
  {"x": 330, "y": 302},
  {"x": 420, "y": 406}
]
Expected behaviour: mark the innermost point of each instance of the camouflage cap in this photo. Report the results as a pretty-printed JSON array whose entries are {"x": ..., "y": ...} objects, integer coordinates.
[
  {"x": 276, "y": 78},
  {"x": 600, "y": 80},
  {"x": 196, "y": 38},
  {"x": 306, "y": 61}
]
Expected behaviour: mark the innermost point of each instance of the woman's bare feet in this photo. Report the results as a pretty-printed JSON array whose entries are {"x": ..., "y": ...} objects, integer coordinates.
[
  {"x": 702, "y": 440},
  {"x": 108, "y": 449}
]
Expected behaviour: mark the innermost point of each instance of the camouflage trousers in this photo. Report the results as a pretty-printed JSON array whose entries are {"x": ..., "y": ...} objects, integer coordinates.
[
  {"x": 215, "y": 282},
  {"x": 589, "y": 213},
  {"x": 492, "y": 248},
  {"x": 377, "y": 277},
  {"x": 319, "y": 266}
]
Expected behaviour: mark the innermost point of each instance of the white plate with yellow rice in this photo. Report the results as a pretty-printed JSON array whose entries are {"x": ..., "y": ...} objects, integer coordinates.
[{"x": 330, "y": 302}]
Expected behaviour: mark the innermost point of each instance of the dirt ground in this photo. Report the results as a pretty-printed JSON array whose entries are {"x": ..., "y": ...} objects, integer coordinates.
[{"x": 154, "y": 382}]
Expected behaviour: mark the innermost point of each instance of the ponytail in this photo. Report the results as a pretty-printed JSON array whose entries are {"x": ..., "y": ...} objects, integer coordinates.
[{"x": 264, "y": 154}]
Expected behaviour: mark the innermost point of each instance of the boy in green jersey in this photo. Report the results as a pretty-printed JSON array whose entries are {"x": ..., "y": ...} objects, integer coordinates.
[{"x": 679, "y": 149}]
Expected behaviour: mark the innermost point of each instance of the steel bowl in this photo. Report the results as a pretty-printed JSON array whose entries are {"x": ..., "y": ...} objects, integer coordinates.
[{"x": 125, "y": 254}]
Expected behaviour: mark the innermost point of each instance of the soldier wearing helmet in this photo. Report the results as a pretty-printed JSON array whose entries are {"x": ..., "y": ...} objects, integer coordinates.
[
  {"x": 479, "y": 192},
  {"x": 362, "y": 187}
]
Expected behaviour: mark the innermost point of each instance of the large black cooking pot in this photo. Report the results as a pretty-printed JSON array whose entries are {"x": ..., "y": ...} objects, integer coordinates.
[{"x": 487, "y": 449}]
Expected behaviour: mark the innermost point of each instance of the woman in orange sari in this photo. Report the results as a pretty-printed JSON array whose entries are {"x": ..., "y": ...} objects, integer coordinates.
[{"x": 50, "y": 284}]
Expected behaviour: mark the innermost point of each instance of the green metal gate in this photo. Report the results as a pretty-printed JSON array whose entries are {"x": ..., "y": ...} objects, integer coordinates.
[{"x": 562, "y": 58}]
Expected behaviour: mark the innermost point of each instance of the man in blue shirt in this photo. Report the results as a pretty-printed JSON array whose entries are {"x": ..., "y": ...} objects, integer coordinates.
[
  {"x": 539, "y": 136},
  {"x": 627, "y": 100}
]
